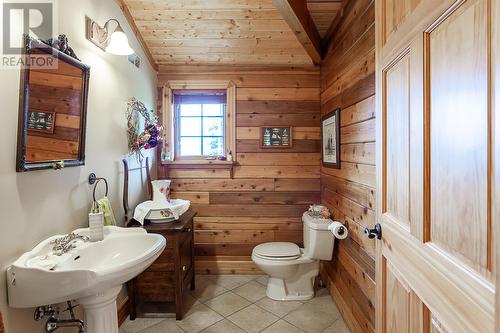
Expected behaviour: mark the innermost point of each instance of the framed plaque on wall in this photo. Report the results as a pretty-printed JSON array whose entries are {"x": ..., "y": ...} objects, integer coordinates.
[{"x": 276, "y": 137}]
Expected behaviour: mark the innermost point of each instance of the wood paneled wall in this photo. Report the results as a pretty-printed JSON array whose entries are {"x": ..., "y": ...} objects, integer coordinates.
[
  {"x": 271, "y": 188},
  {"x": 348, "y": 83}
]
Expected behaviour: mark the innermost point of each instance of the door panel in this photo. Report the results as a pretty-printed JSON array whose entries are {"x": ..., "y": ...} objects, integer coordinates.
[
  {"x": 434, "y": 175},
  {"x": 397, "y": 116},
  {"x": 404, "y": 310},
  {"x": 397, "y": 294},
  {"x": 457, "y": 51}
]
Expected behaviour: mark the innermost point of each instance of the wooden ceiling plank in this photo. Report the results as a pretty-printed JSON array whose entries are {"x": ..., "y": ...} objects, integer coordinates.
[
  {"x": 221, "y": 50},
  {"x": 205, "y": 14},
  {"x": 240, "y": 70},
  {"x": 199, "y": 4},
  {"x": 300, "y": 21},
  {"x": 233, "y": 59},
  {"x": 254, "y": 25},
  {"x": 331, "y": 29},
  {"x": 137, "y": 33},
  {"x": 202, "y": 34},
  {"x": 218, "y": 42},
  {"x": 324, "y": 7}
]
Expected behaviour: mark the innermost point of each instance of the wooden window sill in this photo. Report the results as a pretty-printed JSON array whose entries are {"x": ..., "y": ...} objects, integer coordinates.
[{"x": 198, "y": 162}]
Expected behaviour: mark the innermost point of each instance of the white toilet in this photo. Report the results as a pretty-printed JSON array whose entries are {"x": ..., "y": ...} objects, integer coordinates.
[{"x": 292, "y": 270}]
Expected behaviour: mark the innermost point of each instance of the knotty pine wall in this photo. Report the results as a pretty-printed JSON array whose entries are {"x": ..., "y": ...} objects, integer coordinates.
[
  {"x": 271, "y": 187},
  {"x": 348, "y": 83}
]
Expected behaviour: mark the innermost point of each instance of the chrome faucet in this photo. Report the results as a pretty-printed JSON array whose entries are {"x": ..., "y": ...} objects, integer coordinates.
[{"x": 66, "y": 243}]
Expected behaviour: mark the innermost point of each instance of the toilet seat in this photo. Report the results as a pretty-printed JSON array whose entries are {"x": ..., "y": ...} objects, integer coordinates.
[{"x": 282, "y": 251}]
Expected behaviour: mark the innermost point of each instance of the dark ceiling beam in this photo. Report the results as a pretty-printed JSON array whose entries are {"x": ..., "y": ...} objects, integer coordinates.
[{"x": 299, "y": 19}]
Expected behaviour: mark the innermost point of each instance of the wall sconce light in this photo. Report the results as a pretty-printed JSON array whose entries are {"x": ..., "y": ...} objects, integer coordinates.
[{"x": 115, "y": 42}]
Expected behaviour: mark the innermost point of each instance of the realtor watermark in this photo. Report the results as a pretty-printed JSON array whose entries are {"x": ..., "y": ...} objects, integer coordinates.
[{"x": 33, "y": 18}]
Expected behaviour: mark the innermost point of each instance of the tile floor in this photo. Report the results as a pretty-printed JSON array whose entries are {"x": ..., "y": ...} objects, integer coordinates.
[{"x": 238, "y": 304}]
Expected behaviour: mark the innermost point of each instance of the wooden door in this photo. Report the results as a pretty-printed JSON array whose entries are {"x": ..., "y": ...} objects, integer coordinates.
[{"x": 436, "y": 160}]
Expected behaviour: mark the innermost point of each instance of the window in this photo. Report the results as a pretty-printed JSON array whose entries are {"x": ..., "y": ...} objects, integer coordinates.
[{"x": 199, "y": 122}]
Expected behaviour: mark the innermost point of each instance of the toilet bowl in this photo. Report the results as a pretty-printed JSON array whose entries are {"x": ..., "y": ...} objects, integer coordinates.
[{"x": 291, "y": 269}]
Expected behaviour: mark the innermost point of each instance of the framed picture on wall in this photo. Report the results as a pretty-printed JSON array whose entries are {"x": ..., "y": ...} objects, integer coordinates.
[{"x": 330, "y": 139}]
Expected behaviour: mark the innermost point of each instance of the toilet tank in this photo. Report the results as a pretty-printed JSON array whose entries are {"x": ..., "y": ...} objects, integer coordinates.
[{"x": 318, "y": 240}]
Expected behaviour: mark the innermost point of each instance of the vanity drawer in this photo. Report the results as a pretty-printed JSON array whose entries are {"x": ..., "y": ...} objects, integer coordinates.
[{"x": 156, "y": 286}]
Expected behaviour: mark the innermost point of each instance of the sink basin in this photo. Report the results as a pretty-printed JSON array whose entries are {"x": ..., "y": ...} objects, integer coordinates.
[{"x": 92, "y": 273}]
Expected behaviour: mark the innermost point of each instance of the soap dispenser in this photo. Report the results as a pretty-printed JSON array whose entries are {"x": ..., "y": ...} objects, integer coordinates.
[{"x": 96, "y": 224}]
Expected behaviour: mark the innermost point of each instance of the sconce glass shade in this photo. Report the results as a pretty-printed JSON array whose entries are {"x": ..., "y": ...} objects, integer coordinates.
[{"x": 118, "y": 43}]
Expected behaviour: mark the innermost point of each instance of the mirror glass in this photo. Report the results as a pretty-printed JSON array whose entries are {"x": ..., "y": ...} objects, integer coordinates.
[{"x": 52, "y": 108}]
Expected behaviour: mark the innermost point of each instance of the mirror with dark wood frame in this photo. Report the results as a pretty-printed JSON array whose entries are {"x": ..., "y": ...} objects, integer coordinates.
[{"x": 52, "y": 108}]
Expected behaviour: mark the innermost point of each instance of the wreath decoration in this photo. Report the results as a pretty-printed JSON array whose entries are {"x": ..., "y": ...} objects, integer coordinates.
[{"x": 148, "y": 138}]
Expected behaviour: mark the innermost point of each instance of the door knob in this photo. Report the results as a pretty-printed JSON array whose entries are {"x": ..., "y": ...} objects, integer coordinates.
[{"x": 375, "y": 232}]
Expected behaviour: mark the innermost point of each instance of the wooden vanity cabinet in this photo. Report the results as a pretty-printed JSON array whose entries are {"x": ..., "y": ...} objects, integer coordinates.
[{"x": 160, "y": 288}]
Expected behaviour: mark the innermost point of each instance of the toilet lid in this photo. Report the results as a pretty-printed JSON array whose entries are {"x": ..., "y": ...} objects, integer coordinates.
[{"x": 277, "y": 250}]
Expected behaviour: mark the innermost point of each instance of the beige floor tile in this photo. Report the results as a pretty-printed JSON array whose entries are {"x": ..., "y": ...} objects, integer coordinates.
[
  {"x": 199, "y": 318},
  {"x": 311, "y": 318},
  {"x": 323, "y": 302},
  {"x": 338, "y": 326},
  {"x": 207, "y": 289},
  {"x": 282, "y": 326},
  {"x": 167, "y": 325},
  {"x": 262, "y": 279},
  {"x": 253, "y": 319},
  {"x": 252, "y": 291},
  {"x": 229, "y": 281},
  {"x": 278, "y": 308},
  {"x": 223, "y": 326},
  {"x": 134, "y": 326},
  {"x": 227, "y": 304}
]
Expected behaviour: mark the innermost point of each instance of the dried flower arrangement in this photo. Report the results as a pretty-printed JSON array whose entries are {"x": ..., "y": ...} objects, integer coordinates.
[{"x": 150, "y": 136}]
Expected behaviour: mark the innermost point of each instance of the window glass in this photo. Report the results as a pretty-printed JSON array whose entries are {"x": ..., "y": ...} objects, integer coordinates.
[
  {"x": 188, "y": 110},
  {"x": 190, "y": 126},
  {"x": 213, "y": 110},
  {"x": 213, "y": 146},
  {"x": 213, "y": 126},
  {"x": 190, "y": 146},
  {"x": 200, "y": 120}
]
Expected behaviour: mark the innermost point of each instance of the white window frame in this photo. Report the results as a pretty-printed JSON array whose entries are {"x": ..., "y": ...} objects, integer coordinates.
[{"x": 169, "y": 153}]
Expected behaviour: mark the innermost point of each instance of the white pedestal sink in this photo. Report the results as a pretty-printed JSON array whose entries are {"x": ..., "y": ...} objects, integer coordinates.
[{"x": 92, "y": 273}]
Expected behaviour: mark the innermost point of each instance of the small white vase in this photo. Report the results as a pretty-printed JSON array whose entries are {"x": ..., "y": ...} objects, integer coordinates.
[{"x": 161, "y": 191}]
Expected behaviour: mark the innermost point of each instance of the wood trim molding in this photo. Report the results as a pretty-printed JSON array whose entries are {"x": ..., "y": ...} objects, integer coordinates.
[
  {"x": 123, "y": 312},
  {"x": 133, "y": 26},
  {"x": 299, "y": 19},
  {"x": 168, "y": 113}
]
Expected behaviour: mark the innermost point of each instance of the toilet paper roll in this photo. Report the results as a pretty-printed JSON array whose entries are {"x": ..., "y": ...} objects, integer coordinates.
[{"x": 338, "y": 229}]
